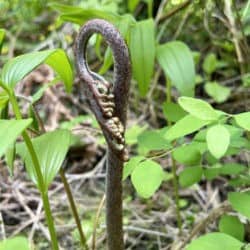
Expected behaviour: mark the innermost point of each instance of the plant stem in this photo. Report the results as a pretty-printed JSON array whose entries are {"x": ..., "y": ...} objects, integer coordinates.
[
  {"x": 40, "y": 181},
  {"x": 74, "y": 209},
  {"x": 174, "y": 168}
]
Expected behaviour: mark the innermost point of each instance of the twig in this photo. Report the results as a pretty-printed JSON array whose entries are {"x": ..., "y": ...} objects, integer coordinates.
[{"x": 96, "y": 221}]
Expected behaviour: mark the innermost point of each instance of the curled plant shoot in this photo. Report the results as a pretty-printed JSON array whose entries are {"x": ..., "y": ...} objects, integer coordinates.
[{"x": 108, "y": 102}]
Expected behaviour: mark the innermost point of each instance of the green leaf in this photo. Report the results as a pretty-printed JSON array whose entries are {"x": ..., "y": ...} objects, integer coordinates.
[
  {"x": 232, "y": 226},
  {"x": 79, "y": 15},
  {"x": 198, "y": 108},
  {"x": 4, "y": 98},
  {"x": 9, "y": 131},
  {"x": 185, "y": 126},
  {"x": 142, "y": 51},
  {"x": 177, "y": 62},
  {"x": 153, "y": 140},
  {"x": 131, "y": 165},
  {"x": 210, "y": 63},
  {"x": 59, "y": 62},
  {"x": 243, "y": 120},
  {"x": 240, "y": 202},
  {"x": 212, "y": 172},
  {"x": 215, "y": 241},
  {"x": 173, "y": 112},
  {"x": 15, "y": 243},
  {"x": 51, "y": 149},
  {"x": 190, "y": 176},
  {"x": 147, "y": 178},
  {"x": 218, "y": 139},
  {"x": 187, "y": 155},
  {"x": 232, "y": 169},
  {"x": 17, "y": 68},
  {"x": 10, "y": 157},
  {"x": 217, "y": 92}
]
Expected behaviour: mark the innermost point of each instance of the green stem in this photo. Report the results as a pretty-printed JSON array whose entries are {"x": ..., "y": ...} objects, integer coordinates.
[
  {"x": 40, "y": 181},
  {"x": 174, "y": 169},
  {"x": 74, "y": 209}
]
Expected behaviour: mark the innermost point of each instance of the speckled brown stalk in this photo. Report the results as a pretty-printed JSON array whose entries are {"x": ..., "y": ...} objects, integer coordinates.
[{"x": 109, "y": 104}]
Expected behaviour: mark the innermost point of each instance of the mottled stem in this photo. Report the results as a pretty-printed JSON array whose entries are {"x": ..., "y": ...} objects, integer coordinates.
[{"x": 109, "y": 104}]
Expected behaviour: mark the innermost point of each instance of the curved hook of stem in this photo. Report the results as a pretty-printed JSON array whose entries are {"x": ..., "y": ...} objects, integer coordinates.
[{"x": 109, "y": 104}]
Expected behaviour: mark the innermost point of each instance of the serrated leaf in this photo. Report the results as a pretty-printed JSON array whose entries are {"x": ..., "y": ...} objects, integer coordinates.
[
  {"x": 187, "y": 154},
  {"x": 142, "y": 50},
  {"x": 215, "y": 241},
  {"x": 173, "y": 112},
  {"x": 232, "y": 226},
  {"x": 190, "y": 176},
  {"x": 51, "y": 149},
  {"x": 198, "y": 108},
  {"x": 243, "y": 120},
  {"x": 240, "y": 202},
  {"x": 15, "y": 243},
  {"x": 9, "y": 131},
  {"x": 177, "y": 62},
  {"x": 131, "y": 165},
  {"x": 17, "y": 68},
  {"x": 217, "y": 92},
  {"x": 147, "y": 178},
  {"x": 218, "y": 139},
  {"x": 185, "y": 126}
]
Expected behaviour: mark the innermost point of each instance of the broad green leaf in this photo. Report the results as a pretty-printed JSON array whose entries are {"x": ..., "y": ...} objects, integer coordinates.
[
  {"x": 215, "y": 241},
  {"x": 243, "y": 120},
  {"x": 185, "y": 126},
  {"x": 173, "y": 112},
  {"x": 210, "y": 63},
  {"x": 187, "y": 155},
  {"x": 147, "y": 178},
  {"x": 59, "y": 62},
  {"x": 9, "y": 131},
  {"x": 153, "y": 140},
  {"x": 190, "y": 176},
  {"x": 17, "y": 68},
  {"x": 51, "y": 149},
  {"x": 177, "y": 62},
  {"x": 240, "y": 202},
  {"x": 218, "y": 92},
  {"x": 232, "y": 226},
  {"x": 142, "y": 51},
  {"x": 198, "y": 108},
  {"x": 15, "y": 243},
  {"x": 218, "y": 139},
  {"x": 246, "y": 12},
  {"x": 80, "y": 15},
  {"x": 131, "y": 165}
]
